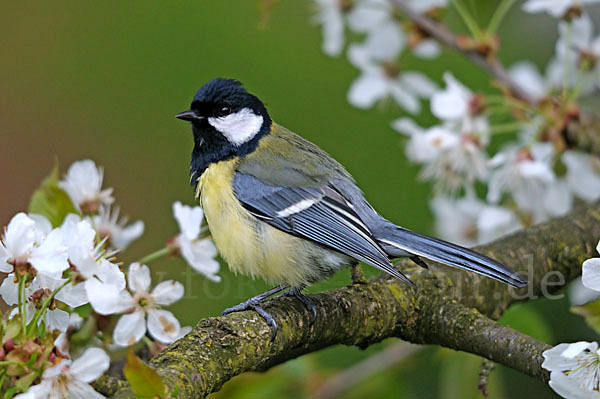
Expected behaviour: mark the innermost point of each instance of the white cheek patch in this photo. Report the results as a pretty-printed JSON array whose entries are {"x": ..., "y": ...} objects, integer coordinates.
[{"x": 239, "y": 127}]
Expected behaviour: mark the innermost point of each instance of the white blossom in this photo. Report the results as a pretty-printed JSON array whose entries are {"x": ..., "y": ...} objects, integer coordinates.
[
  {"x": 161, "y": 324},
  {"x": 103, "y": 284},
  {"x": 574, "y": 369},
  {"x": 577, "y": 55},
  {"x": 452, "y": 157},
  {"x": 103, "y": 280},
  {"x": 538, "y": 86},
  {"x": 71, "y": 379},
  {"x": 579, "y": 294},
  {"x": 590, "y": 276},
  {"x": 367, "y": 15},
  {"x": 425, "y": 145},
  {"x": 26, "y": 241},
  {"x": 330, "y": 16},
  {"x": 70, "y": 295},
  {"x": 385, "y": 39},
  {"x": 83, "y": 184},
  {"x": 380, "y": 80},
  {"x": 527, "y": 175},
  {"x": 198, "y": 252},
  {"x": 583, "y": 174},
  {"x": 118, "y": 233},
  {"x": 43, "y": 286},
  {"x": 427, "y": 49},
  {"x": 556, "y": 8},
  {"x": 469, "y": 221},
  {"x": 78, "y": 236}
]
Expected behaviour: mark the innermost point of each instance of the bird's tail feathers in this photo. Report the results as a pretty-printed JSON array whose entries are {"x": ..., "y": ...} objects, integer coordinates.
[{"x": 450, "y": 254}]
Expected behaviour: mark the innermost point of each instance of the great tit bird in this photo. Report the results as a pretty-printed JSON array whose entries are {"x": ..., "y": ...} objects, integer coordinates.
[{"x": 280, "y": 208}]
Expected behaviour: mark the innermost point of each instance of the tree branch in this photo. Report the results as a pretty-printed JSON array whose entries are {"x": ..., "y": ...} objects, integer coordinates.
[
  {"x": 440, "y": 33},
  {"x": 453, "y": 309}
]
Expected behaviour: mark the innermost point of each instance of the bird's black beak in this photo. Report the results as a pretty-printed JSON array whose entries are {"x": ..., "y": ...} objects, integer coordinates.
[{"x": 189, "y": 116}]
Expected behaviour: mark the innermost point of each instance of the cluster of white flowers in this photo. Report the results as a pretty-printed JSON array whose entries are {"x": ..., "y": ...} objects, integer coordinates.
[
  {"x": 377, "y": 55},
  {"x": 53, "y": 272},
  {"x": 532, "y": 177}
]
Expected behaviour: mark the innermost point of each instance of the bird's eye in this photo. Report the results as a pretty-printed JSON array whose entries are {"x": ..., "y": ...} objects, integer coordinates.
[{"x": 223, "y": 111}]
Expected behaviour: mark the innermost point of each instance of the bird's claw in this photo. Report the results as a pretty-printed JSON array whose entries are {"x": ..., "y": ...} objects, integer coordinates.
[
  {"x": 255, "y": 306},
  {"x": 268, "y": 318}
]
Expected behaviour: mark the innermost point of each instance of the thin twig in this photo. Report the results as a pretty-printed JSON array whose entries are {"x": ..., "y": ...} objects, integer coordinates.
[{"x": 443, "y": 35}]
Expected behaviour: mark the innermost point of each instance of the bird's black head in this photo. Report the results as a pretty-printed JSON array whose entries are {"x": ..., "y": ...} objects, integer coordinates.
[{"x": 227, "y": 121}]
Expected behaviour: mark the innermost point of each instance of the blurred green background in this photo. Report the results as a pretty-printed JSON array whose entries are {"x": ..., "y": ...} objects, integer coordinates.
[{"x": 104, "y": 81}]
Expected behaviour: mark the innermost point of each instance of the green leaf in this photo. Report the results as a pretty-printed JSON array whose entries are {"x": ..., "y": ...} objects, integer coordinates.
[
  {"x": 11, "y": 392},
  {"x": 144, "y": 380},
  {"x": 84, "y": 310},
  {"x": 590, "y": 312},
  {"x": 51, "y": 201}
]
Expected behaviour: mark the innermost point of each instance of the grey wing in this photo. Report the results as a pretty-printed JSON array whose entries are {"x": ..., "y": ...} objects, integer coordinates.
[{"x": 319, "y": 214}]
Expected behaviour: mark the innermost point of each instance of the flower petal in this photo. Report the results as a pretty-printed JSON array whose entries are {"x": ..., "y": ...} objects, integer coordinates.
[
  {"x": 189, "y": 219},
  {"x": 367, "y": 89},
  {"x": 105, "y": 298},
  {"x": 129, "y": 329},
  {"x": 200, "y": 255},
  {"x": 73, "y": 295},
  {"x": 526, "y": 74},
  {"x": 163, "y": 326},
  {"x": 83, "y": 183},
  {"x": 50, "y": 257},
  {"x": 331, "y": 19},
  {"x": 9, "y": 290},
  {"x": 582, "y": 175},
  {"x": 20, "y": 235},
  {"x": 368, "y": 15},
  {"x": 122, "y": 237},
  {"x": 57, "y": 320},
  {"x": 579, "y": 294},
  {"x": 385, "y": 42},
  {"x": 418, "y": 83},
  {"x": 91, "y": 365},
  {"x": 452, "y": 102},
  {"x": 80, "y": 390},
  {"x": 5, "y": 267},
  {"x": 427, "y": 49},
  {"x": 38, "y": 391},
  {"x": 567, "y": 388},
  {"x": 138, "y": 278},
  {"x": 407, "y": 126},
  {"x": 168, "y": 292},
  {"x": 405, "y": 98},
  {"x": 590, "y": 276}
]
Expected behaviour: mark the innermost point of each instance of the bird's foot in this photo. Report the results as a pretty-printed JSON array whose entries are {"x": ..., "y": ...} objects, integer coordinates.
[
  {"x": 356, "y": 274},
  {"x": 254, "y": 304},
  {"x": 306, "y": 301}
]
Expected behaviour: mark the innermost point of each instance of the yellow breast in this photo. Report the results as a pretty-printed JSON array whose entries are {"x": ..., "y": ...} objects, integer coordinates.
[{"x": 249, "y": 245}]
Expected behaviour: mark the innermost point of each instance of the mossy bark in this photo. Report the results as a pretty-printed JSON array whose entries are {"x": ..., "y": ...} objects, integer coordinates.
[{"x": 451, "y": 308}]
